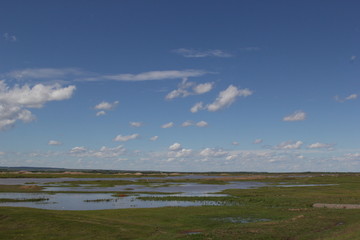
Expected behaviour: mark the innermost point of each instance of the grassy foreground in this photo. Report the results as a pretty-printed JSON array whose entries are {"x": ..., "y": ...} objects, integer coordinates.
[{"x": 265, "y": 213}]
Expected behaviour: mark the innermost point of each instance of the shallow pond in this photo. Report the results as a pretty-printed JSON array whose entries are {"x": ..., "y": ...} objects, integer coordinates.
[
  {"x": 92, "y": 201},
  {"x": 188, "y": 189}
]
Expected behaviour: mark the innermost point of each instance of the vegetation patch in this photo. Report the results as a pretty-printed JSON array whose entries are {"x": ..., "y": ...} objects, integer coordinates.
[
  {"x": 289, "y": 214},
  {"x": 5, "y": 200}
]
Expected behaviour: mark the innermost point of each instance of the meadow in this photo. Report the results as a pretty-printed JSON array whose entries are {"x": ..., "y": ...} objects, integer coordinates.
[{"x": 283, "y": 209}]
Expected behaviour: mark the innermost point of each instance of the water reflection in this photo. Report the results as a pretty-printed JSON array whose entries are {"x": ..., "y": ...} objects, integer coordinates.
[
  {"x": 89, "y": 201},
  {"x": 189, "y": 189}
]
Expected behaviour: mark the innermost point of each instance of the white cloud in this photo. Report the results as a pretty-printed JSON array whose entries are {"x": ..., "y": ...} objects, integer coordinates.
[
  {"x": 106, "y": 152},
  {"x": 235, "y": 143},
  {"x": 211, "y": 152},
  {"x": 175, "y": 147},
  {"x": 54, "y": 142},
  {"x": 187, "y": 124},
  {"x": 290, "y": 145},
  {"x": 320, "y": 145},
  {"x": 296, "y": 116},
  {"x": 152, "y": 75},
  {"x": 106, "y": 105},
  {"x": 136, "y": 124},
  {"x": 184, "y": 86},
  {"x": 121, "y": 138},
  {"x": 168, "y": 125},
  {"x": 34, "y": 97},
  {"x": 103, "y": 152},
  {"x": 257, "y": 141},
  {"x": 15, "y": 101},
  {"x": 78, "y": 150},
  {"x": 192, "y": 53},
  {"x": 154, "y": 138},
  {"x": 10, "y": 114},
  {"x": 197, "y": 107},
  {"x": 353, "y": 58},
  {"x": 9, "y": 37},
  {"x": 350, "y": 97},
  {"x": 181, "y": 153},
  {"x": 203, "y": 88},
  {"x": 202, "y": 124},
  {"x": 227, "y": 97},
  {"x": 231, "y": 157},
  {"x": 44, "y": 73},
  {"x": 100, "y": 113}
]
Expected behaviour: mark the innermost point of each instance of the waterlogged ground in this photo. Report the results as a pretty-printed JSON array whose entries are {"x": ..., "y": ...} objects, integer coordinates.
[
  {"x": 236, "y": 206},
  {"x": 78, "y": 194},
  {"x": 92, "y": 201}
]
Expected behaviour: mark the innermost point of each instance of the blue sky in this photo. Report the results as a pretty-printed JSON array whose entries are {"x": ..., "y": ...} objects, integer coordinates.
[{"x": 180, "y": 85}]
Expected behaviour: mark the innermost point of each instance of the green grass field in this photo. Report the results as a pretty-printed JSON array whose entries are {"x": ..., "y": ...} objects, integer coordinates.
[{"x": 270, "y": 212}]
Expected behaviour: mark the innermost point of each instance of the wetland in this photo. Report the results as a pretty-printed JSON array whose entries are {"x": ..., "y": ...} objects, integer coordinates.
[{"x": 186, "y": 206}]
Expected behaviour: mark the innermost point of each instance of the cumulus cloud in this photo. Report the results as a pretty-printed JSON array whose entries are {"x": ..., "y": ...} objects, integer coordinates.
[
  {"x": 193, "y": 53},
  {"x": 203, "y": 88},
  {"x": 152, "y": 75},
  {"x": 78, "y": 150},
  {"x": 211, "y": 152},
  {"x": 318, "y": 145},
  {"x": 54, "y": 142},
  {"x": 231, "y": 157},
  {"x": 168, "y": 125},
  {"x": 187, "y": 124},
  {"x": 257, "y": 141},
  {"x": 181, "y": 153},
  {"x": 154, "y": 138},
  {"x": 107, "y": 152},
  {"x": 197, "y": 107},
  {"x": 136, "y": 124},
  {"x": 15, "y": 101},
  {"x": 186, "y": 88},
  {"x": 235, "y": 143},
  {"x": 106, "y": 105},
  {"x": 175, "y": 147},
  {"x": 202, "y": 124},
  {"x": 34, "y": 97},
  {"x": 296, "y": 116},
  {"x": 103, "y": 152},
  {"x": 290, "y": 145},
  {"x": 191, "y": 123},
  {"x": 227, "y": 97},
  {"x": 121, "y": 138},
  {"x": 100, "y": 113},
  {"x": 349, "y": 97}
]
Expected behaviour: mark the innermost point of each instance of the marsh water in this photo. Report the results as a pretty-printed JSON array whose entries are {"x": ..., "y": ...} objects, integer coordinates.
[
  {"x": 87, "y": 196},
  {"x": 90, "y": 199}
]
